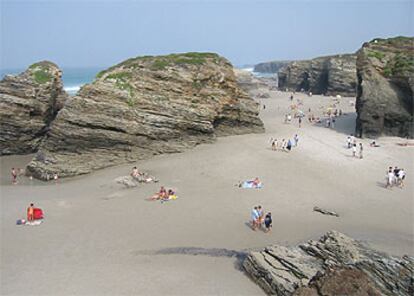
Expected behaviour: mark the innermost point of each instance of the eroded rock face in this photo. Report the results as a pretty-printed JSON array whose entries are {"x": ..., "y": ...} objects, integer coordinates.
[
  {"x": 146, "y": 106},
  {"x": 248, "y": 82},
  {"x": 270, "y": 67},
  {"x": 28, "y": 104},
  {"x": 385, "y": 70},
  {"x": 320, "y": 266},
  {"x": 330, "y": 75}
]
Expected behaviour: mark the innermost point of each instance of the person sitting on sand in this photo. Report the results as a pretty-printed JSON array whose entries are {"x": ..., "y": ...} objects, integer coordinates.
[
  {"x": 256, "y": 182},
  {"x": 135, "y": 173},
  {"x": 162, "y": 194},
  {"x": 289, "y": 145},
  {"x": 373, "y": 144},
  {"x": 30, "y": 213},
  {"x": 268, "y": 222}
]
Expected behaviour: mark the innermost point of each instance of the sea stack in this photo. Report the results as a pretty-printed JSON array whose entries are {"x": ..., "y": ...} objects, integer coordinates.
[
  {"x": 385, "y": 71},
  {"x": 28, "y": 104},
  {"x": 146, "y": 106},
  {"x": 329, "y": 75}
]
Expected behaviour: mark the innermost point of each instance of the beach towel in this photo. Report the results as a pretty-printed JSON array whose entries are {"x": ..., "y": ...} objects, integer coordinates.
[
  {"x": 249, "y": 185},
  {"x": 34, "y": 223}
]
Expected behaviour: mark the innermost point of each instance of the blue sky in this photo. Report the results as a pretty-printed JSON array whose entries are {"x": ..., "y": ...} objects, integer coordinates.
[{"x": 101, "y": 33}]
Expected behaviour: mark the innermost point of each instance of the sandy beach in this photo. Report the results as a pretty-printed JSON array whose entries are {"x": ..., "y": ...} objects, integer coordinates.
[{"x": 99, "y": 238}]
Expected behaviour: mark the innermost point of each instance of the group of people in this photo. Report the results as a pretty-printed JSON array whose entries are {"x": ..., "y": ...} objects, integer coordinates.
[
  {"x": 395, "y": 177},
  {"x": 357, "y": 150},
  {"x": 15, "y": 173},
  {"x": 164, "y": 195},
  {"x": 258, "y": 218},
  {"x": 284, "y": 145}
]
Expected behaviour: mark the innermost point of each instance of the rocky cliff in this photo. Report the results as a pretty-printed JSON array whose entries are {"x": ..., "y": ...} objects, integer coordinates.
[
  {"x": 28, "y": 104},
  {"x": 146, "y": 106},
  {"x": 330, "y": 75},
  {"x": 270, "y": 67},
  {"x": 249, "y": 82},
  {"x": 385, "y": 71},
  {"x": 334, "y": 265}
]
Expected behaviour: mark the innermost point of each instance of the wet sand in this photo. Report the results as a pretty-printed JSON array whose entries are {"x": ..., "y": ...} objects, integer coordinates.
[{"x": 99, "y": 238}]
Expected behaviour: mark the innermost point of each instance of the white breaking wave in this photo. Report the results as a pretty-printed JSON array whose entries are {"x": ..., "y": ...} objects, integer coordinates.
[{"x": 72, "y": 89}]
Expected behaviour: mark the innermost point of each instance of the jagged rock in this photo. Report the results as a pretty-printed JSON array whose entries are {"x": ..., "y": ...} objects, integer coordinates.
[
  {"x": 146, "y": 106},
  {"x": 283, "y": 270},
  {"x": 28, "y": 104},
  {"x": 128, "y": 181},
  {"x": 385, "y": 71},
  {"x": 343, "y": 281},
  {"x": 330, "y": 75},
  {"x": 270, "y": 67}
]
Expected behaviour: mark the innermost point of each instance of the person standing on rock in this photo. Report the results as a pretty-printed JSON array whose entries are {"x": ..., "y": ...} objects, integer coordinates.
[{"x": 360, "y": 150}]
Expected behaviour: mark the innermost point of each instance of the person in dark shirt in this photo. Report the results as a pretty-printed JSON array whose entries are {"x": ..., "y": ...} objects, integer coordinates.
[{"x": 268, "y": 222}]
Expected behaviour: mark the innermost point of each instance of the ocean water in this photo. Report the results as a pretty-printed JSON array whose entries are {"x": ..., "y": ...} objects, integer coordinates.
[{"x": 73, "y": 78}]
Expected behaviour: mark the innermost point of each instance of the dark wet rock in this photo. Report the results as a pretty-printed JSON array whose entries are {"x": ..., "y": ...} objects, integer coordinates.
[
  {"x": 325, "y": 212},
  {"x": 146, "y": 106},
  {"x": 330, "y": 75},
  {"x": 319, "y": 268},
  {"x": 28, "y": 104},
  {"x": 385, "y": 71}
]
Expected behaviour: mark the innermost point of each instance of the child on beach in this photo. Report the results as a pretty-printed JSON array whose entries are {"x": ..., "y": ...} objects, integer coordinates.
[
  {"x": 254, "y": 216},
  {"x": 14, "y": 176},
  {"x": 30, "y": 213},
  {"x": 268, "y": 222}
]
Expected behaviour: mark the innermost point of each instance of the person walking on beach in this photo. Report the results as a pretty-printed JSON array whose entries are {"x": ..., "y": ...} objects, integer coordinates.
[
  {"x": 268, "y": 222},
  {"x": 390, "y": 178},
  {"x": 300, "y": 121},
  {"x": 254, "y": 216},
  {"x": 260, "y": 214},
  {"x": 296, "y": 139},
  {"x": 354, "y": 150},
  {"x": 14, "y": 176},
  {"x": 360, "y": 150},
  {"x": 401, "y": 177}
]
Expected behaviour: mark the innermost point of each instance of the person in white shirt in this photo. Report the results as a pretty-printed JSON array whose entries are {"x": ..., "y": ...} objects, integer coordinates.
[{"x": 390, "y": 178}]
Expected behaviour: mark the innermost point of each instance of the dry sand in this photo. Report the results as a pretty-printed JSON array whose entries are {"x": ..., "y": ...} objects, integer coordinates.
[{"x": 99, "y": 238}]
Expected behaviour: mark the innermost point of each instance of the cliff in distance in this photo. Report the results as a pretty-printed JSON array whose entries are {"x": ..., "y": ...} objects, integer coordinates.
[
  {"x": 330, "y": 75},
  {"x": 28, "y": 104},
  {"x": 146, "y": 106},
  {"x": 385, "y": 71}
]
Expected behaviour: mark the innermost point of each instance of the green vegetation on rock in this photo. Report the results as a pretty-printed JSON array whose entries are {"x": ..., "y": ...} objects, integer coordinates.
[
  {"x": 400, "y": 65},
  {"x": 376, "y": 54},
  {"x": 40, "y": 73}
]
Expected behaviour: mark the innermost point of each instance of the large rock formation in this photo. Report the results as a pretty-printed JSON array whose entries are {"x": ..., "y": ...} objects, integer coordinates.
[
  {"x": 334, "y": 265},
  {"x": 146, "y": 106},
  {"x": 330, "y": 75},
  {"x": 28, "y": 104},
  {"x": 270, "y": 67},
  {"x": 385, "y": 70}
]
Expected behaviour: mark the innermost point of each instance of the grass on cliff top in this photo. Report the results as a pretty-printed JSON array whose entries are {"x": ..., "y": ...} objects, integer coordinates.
[
  {"x": 161, "y": 62},
  {"x": 40, "y": 72},
  {"x": 394, "y": 40}
]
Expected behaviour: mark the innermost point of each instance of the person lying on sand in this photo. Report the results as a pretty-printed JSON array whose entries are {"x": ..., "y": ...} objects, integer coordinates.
[
  {"x": 373, "y": 144},
  {"x": 142, "y": 177}
]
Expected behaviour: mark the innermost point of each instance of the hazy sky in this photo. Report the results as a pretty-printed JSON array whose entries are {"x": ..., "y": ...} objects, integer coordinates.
[{"x": 101, "y": 33}]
